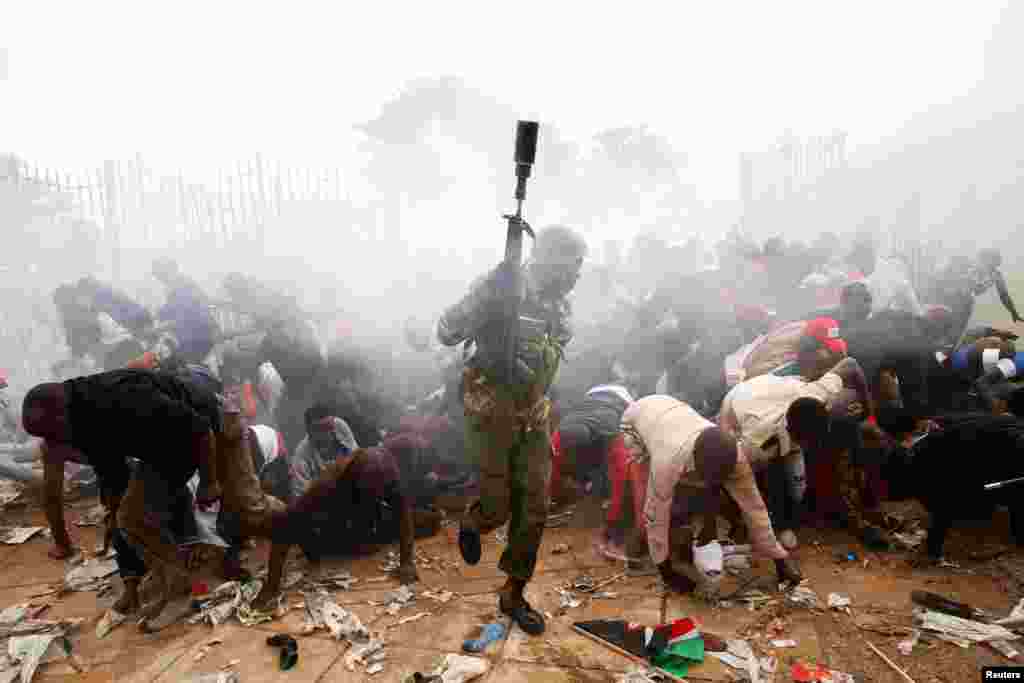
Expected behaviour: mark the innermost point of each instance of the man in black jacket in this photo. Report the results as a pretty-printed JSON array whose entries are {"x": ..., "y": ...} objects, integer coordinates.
[{"x": 167, "y": 423}]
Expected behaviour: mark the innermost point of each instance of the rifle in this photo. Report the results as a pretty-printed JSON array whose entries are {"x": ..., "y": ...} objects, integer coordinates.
[{"x": 526, "y": 152}]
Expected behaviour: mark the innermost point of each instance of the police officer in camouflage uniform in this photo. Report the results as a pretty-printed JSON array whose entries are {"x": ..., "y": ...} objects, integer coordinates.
[{"x": 507, "y": 422}]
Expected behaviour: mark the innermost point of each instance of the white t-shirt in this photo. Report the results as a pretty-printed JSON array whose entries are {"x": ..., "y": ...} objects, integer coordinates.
[{"x": 755, "y": 411}]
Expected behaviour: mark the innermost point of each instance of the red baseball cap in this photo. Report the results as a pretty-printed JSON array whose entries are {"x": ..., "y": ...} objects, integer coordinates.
[{"x": 826, "y": 331}]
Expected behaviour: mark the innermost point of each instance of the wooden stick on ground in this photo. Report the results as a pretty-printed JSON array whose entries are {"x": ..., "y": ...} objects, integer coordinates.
[
  {"x": 632, "y": 657},
  {"x": 891, "y": 664}
]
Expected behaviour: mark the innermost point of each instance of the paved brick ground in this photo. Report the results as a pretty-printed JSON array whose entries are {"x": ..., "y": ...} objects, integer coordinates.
[{"x": 879, "y": 593}]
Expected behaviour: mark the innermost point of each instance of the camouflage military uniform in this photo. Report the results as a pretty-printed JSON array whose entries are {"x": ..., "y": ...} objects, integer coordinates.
[{"x": 507, "y": 422}]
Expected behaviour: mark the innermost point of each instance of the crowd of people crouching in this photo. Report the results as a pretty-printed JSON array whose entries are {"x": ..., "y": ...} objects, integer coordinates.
[{"x": 712, "y": 404}]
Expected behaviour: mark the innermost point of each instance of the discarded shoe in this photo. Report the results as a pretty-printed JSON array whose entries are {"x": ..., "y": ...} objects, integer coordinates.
[
  {"x": 527, "y": 618},
  {"x": 289, "y": 650},
  {"x": 469, "y": 545}
]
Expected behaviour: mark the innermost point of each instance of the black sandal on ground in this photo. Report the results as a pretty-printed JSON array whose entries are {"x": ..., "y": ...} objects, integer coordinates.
[
  {"x": 527, "y": 618},
  {"x": 469, "y": 545}
]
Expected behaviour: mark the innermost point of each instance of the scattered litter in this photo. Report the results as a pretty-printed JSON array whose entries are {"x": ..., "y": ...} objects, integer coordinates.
[
  {"x": 560, "y": 549},
  {"x": 16, "y": 535},
  {"x": 783, "y": 643},
  {"x": 341, "y": 623},
  {"x": 490, "y": 633},
  {"x": 583, "y": 583},
  {"x": 948, "y": 564},
  {"x": 90, "y": 575},
  {"x": 910, "y": 540},
  {"x": 361, "y": 653},
  {"x": 234, "y": 599},
  {"x": 374, "y": 669},
  {"x": 559, "y": 519},
  {"x": 39, "y": 626},
  {"x": 642, "y": 674},
  {"x": 805, "y": 673},
  {"x": 839, "y": 602},
  {"x": 340, "y": 580},
  {"x": 291, "y": 580},
  {"x": 737, "y": 564},
  {"x": 803, "y": 596},
  {"x": 10, "y": 491},
  {"x": 740, "y": 656},
  {"x": 672, "y": 648},
  {"x": 204, "y": 649},
  {"x": 110, "y": 620},
  {"x": 567, "y": 599},
  {"x": 31, "y": 650},
  {"x": 94, "y": 516},
  {"x": 456, "y": 669},
  {"x": 501, "y": 535},
  {"x": 377, "y": 579},
  {"x": 906, "y": 647},
  {"x": 605, "y": 595},
  {"x": 398, "y": 599},
  {"x": 219, "y": 677},
  {"x": 443, "y": 596},
  {"x": 938, "y": 603},
  {"x": 410, "y": 619},
  {"x": 769, "y": 665},
  {"x": 1015, "y": 617},
  {"x": 963, "y": 629},
  {"x": 231, "y": 665},
  {"x": 1005, "y": 648},
  {"x": 892, "y": 664},
  {"x": 14, "y": 614}
]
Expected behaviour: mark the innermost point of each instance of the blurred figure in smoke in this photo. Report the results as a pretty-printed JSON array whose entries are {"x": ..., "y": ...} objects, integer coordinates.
[
  {"x": 81, "y": 328},
  {"x": 891, "y": 287},
  {"x": 101, "y": 323},
  {"x": 186, "y": 313},
  {"x": 962, "y": 282},
  {"x": 127, "y": 312},
  {"x": 291, "y": 343},
  {"x": 508, "y": 421}
]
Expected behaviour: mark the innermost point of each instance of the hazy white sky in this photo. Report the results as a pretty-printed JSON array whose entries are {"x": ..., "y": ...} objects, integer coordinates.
[{"x": 198, "y": 84}]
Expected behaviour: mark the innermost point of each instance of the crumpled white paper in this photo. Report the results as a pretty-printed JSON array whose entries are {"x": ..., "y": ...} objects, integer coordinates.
[{"x": 461, "y": 669}]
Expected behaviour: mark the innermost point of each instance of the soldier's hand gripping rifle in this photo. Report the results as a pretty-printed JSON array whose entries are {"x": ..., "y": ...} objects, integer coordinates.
[{"x": 512, "y": 266}]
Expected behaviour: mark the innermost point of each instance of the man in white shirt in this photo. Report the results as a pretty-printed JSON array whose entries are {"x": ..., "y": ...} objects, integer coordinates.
[
  {"x": 776, "y": 419},
  {"x": 679, "y": 444}
]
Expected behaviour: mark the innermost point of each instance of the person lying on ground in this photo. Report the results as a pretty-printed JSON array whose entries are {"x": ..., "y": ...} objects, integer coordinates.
[
  {"x": 340, "y": 509},
  {"x": 680, "y": 445},
  {"x": 102, "y": 420},
  {"x": 776, "y": 419}
]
